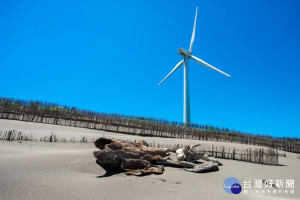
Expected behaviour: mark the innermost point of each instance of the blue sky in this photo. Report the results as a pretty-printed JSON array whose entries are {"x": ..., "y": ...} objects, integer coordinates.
[{"x": 109, "y": 56}]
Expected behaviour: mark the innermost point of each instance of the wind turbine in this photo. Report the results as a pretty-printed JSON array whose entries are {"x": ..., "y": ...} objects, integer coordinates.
[{"x": 186, "y": 88}]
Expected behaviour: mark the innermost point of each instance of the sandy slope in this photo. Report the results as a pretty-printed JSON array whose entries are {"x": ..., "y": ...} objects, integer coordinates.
[{"x": 38, "y": 170}]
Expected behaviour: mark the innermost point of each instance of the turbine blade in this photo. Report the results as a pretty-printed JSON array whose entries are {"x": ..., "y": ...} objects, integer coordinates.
[
  {"x": 193, "y": 34},
  {"x": 201, "y": 62},
  {"x": 173, "y": 70}
]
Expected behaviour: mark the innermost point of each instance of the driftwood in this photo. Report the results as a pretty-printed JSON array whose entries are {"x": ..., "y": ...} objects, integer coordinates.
[
  {"x": 137, "y": 158},
  {"x": 208, "y": 167},
  {"x": 188, "y": 154},
  {"x": 140, "y": 167},
  {"x": 134, "y": 158},
  {"x": 173, "y": 163}
]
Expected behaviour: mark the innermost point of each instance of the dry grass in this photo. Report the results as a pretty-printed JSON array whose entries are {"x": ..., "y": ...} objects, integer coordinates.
[{"x": 13, "y": 135}]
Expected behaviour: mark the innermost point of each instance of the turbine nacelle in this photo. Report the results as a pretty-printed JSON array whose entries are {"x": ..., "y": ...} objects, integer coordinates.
[{"x": 184, "y": 52}]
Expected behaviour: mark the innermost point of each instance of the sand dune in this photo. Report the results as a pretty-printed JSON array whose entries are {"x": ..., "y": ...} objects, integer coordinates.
[{"x": 40, "y": 170}]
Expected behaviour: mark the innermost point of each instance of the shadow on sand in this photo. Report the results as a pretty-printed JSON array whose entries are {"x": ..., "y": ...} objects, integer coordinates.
[{"x": 109, "y": 171}]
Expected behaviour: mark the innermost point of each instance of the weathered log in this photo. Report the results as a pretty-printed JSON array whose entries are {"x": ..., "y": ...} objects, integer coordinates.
[
  {"x": 139, "y": 167},
  {"x": 206, "y": 158},
  {"x": 188, "y": 154},
  {"x": 143, "y": 172},
  {"x": 134, "y": 164},
  {"x": 184, "y": 154},
  {"x": 191, "y": 167},
  {"x": 135, "y": 158},
  {"x": 173, "y": 163},
  {"x": 208, "y": 167}
]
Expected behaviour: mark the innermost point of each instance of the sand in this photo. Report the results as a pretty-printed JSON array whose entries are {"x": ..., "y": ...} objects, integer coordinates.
[{"x": 41, "y": 170}]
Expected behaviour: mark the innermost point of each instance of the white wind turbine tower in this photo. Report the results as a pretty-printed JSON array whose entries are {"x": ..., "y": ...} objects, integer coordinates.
[{"x": 186, "y": 89}]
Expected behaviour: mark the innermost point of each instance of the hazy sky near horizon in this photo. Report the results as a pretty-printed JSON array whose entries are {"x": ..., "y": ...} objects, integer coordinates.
[{"x": 109, "y": 56}]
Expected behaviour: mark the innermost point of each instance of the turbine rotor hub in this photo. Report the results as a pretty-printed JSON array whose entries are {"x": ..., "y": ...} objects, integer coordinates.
[{"x": 184, "y": 52}]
